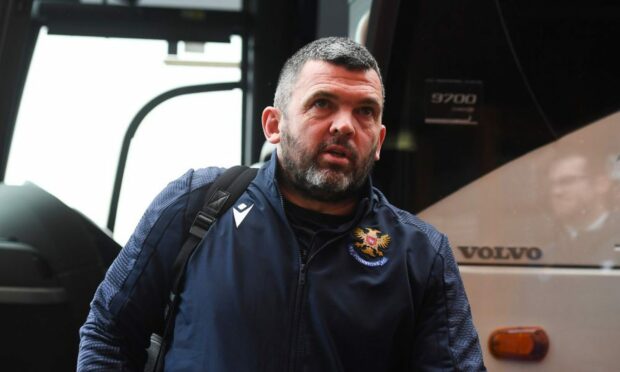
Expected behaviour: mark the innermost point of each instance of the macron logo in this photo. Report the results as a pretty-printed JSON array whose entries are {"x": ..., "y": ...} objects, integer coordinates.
[{"x": 240, "y": 211}]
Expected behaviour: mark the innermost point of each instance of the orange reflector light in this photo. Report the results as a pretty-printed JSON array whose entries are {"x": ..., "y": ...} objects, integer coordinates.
[{"x": 522, "y": 343}]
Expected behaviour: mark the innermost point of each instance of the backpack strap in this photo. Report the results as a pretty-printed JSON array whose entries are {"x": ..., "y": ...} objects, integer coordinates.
[{"x": 222, "y": 193}]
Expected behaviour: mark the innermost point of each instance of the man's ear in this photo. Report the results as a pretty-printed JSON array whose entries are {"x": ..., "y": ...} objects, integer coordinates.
[
  {"x": 271, "y": 120},
  {"x": 380, "y": 142}
]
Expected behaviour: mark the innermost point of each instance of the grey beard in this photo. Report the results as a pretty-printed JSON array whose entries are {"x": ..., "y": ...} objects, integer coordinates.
[
  {"x": 319, "y": 184},
  {"x": 322, "y": 184}
]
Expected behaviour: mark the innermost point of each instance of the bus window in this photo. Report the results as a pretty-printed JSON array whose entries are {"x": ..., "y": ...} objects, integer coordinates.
[
  {"x": 557, "y": 205},
  {"x": 81, "y": 95}
]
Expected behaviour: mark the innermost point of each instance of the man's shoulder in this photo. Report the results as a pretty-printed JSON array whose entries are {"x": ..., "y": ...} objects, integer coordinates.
[
  {"x": 411, "y": 222},
  {"x": 203, "y": 176},
  {"x": 195, "y": 179},
  {"x": 191, "y": 181}
]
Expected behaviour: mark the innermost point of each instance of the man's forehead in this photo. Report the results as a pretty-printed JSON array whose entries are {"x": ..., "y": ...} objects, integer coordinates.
[
  {"x": 571, "y": 164},
  {"x": 316, "y": 73}
]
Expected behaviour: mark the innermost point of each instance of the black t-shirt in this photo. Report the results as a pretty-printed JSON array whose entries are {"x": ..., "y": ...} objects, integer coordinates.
[{"x": 313, "y": 229}]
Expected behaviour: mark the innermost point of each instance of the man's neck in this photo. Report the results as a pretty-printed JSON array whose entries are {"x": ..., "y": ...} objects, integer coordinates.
[
  {"x": 338, "y": 208},
  {"x": 590, "y": 219}
]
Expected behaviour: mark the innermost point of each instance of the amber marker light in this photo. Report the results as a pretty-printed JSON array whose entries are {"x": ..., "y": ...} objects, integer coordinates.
[{"x": 519, "y": 343}]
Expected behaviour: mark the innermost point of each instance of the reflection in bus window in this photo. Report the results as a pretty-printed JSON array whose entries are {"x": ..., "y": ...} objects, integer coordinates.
[{"x": 583, "y": 206}]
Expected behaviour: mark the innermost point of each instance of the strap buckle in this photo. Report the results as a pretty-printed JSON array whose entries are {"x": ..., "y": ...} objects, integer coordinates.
[{"x": 201, "y": 224}]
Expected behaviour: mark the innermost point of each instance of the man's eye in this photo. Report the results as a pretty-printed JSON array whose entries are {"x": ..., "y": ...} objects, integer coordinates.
[
  {"x": 321, "y": 103},
  {"x": 366, "y": 111}
]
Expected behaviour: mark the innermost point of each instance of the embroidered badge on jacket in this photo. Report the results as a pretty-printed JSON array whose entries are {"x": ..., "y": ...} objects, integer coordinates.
[{"x": 369, "y": 246}]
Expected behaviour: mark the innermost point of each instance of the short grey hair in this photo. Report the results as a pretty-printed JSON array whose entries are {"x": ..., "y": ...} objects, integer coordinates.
[{"x": 339, "y": 51}]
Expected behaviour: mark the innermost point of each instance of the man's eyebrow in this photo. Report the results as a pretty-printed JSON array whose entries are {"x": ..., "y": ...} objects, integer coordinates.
[
  {"x": 320, "y": 94},
  {"x": 371, "y": 102},
  {"x": 329, "y": 95}
]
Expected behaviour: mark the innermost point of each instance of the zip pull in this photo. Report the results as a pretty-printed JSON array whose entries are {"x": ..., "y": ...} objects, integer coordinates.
[
  {"x": 302, "y": 274},
  {"x": 303, "y": 252}
]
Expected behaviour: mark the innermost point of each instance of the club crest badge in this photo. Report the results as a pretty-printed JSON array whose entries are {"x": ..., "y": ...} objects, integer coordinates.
[{"x": 369, "y": 246}]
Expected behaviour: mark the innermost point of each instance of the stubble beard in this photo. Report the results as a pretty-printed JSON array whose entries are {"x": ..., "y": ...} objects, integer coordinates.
[{"x": 300, "y": 170}]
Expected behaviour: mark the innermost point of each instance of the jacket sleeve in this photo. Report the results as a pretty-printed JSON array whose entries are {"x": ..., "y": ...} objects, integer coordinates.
[
  {"x": 445, "y": 337},
  {"x": 128, "y": 305}
]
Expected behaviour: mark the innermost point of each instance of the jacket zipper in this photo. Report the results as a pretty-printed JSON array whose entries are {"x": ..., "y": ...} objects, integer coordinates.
[
  {"x": 295, "y": 348},
  {"x": 304, "y": 260},
  {"x": 299, "y": 294}
]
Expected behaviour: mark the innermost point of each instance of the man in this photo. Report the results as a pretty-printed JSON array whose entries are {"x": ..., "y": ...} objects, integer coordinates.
[
  {"x": 320, "y": 273},
  {"x": 582, "y": 204}
]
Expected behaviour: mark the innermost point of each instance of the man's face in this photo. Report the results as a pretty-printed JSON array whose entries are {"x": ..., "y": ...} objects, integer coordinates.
[
  {"x": 572, "y": 191},
  {"x": 331, "y": 133}
]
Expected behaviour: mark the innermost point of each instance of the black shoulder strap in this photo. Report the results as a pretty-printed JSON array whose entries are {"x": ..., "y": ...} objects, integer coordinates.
[{"x": 222, "y": 193}]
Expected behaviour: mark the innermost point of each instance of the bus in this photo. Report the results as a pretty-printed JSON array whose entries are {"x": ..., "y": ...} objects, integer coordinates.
[
  {"x": 507, "y": 123},
  {"x": 503, "y": 132}
]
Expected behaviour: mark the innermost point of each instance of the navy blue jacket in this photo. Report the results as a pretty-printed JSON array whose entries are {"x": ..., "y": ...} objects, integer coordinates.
[{"x": 384, "y": 294}]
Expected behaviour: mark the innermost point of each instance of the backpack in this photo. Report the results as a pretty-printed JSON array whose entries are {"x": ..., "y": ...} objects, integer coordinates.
[{"x": 220, "y": 196}]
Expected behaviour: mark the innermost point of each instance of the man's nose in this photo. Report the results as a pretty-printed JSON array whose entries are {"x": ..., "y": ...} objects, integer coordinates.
[{"x": 343, "y": 124}]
